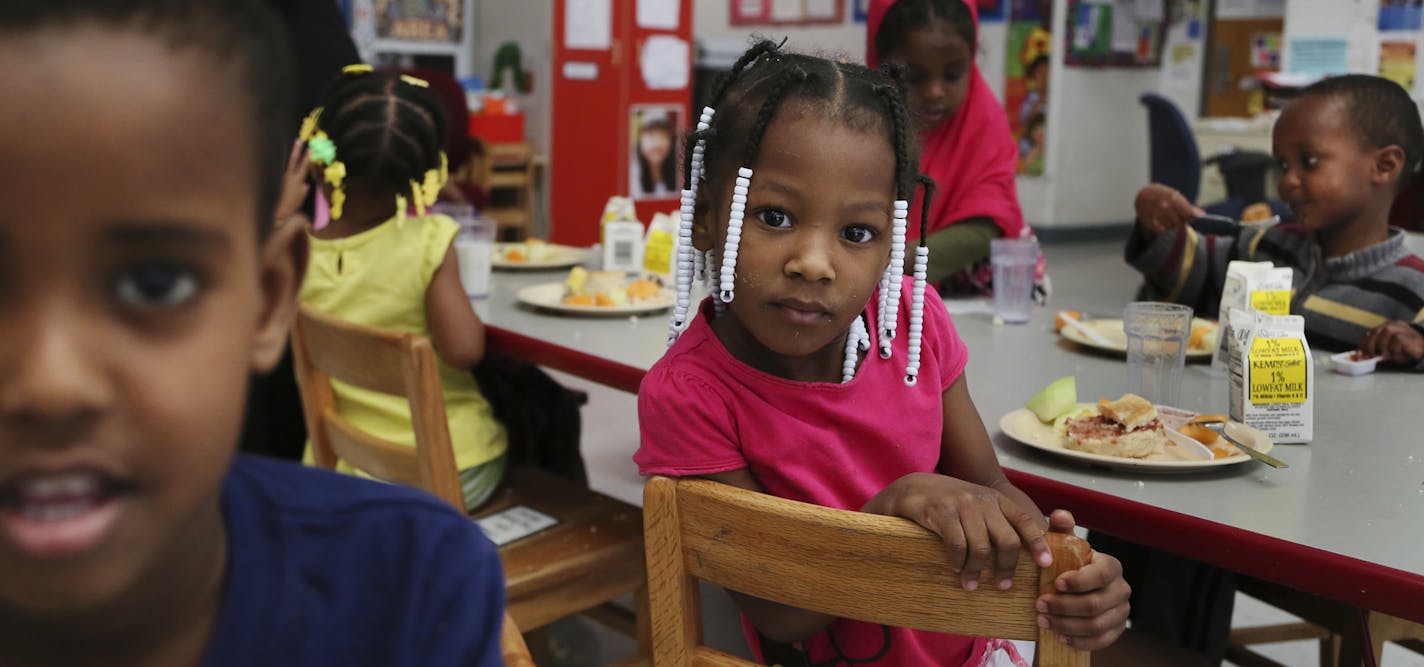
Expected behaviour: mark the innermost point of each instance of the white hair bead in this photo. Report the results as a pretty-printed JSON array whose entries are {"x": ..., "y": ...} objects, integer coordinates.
[{"x": 917, "y": 314}]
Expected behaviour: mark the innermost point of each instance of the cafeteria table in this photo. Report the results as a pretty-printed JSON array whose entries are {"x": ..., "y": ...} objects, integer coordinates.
[{"x": 1343, "y": 521}]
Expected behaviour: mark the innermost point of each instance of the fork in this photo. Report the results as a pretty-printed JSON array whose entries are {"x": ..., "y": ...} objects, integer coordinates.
[{"x": 1220, "y": 427}]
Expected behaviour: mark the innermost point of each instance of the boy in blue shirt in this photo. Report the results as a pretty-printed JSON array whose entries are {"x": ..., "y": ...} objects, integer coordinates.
[{"x": 142, "y": 283}]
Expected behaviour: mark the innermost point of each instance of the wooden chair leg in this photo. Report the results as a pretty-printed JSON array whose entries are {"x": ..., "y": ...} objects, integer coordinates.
[{"x": 643, "y": 632}]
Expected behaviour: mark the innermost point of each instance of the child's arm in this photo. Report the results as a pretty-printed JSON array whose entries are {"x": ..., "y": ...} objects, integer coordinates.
[
  {"x": 1398, "y": 342},
  {"x": 1091, "y": 607},
  {"x": 1179, "y": 264},
  {"x": 455, "y": 329}
]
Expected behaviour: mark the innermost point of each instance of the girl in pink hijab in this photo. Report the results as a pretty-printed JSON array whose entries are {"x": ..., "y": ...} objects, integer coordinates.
[{"x": 965, "y": 142}]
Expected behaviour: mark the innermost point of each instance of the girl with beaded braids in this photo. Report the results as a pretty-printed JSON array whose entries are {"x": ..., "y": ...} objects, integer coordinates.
[
  {"x": 375, "y": 148},
  {"x": 815, "y": 371}
]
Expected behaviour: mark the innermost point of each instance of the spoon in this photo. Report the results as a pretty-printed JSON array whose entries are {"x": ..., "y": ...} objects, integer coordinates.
[
  {"x": 1193, "y": 448},
  {"x": 1220, "y": 427},
  {"x": 1087, "y": 331}
]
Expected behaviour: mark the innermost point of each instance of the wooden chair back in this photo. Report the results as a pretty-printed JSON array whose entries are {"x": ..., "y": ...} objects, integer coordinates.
[
  {"x": 853, "y": 565},
  {"x": 402, "y": 364},
  {"x": 512, "y": 646}
]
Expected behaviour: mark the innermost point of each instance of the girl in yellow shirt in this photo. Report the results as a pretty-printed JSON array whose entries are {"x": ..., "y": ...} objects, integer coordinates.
[{"x": 374, "y": 146}]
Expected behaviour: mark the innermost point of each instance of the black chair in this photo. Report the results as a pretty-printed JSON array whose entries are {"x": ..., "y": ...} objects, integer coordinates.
[{"x": 1176, "y": 162}]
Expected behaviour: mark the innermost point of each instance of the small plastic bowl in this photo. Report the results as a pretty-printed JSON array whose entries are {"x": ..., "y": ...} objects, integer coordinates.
[{"x": 1345, "y": 363}]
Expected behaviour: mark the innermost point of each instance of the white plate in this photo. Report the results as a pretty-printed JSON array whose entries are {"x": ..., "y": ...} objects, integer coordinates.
[
  {"x": 550, "y": 296},
  {"x": 560, "y": 257},
  {"x": 1023, "y": 426},
  {"x": 1112, "y": 330}
]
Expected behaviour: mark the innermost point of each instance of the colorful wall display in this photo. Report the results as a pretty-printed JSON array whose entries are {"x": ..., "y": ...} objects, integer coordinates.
[
  {"x": 1030, "y": 43},
  {"x": 419, "y": 20}
]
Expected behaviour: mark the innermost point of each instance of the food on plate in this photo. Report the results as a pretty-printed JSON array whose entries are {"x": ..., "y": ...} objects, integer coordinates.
[
  {"x": 531, "y": 250},
  {"x": 1203, "y": 336},
  {"x": 1057, "y": 399},
  {"x": 1128, "y": 428},
  {"x": 1060, "y": 316},
  {"x": 607, "y": 289},
  {"x": 1199, "y": 433},
  {"x": 1257, "y": 212}
]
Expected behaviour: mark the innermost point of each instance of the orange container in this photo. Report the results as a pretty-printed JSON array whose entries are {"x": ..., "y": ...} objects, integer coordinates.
[{"x": 497, "y": 128}]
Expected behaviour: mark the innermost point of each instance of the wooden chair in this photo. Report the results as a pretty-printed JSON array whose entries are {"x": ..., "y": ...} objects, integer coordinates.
[
  {"x": 818, "y": 558},
  {"x": 512, "y": 646},
  {"x": 1344, "y": 632},
  {"x": 508, "y": 175},
  {"x": 591, "y": 558}
]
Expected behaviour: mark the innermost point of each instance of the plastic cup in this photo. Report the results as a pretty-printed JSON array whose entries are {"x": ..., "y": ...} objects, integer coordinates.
[
  {"x": 1013, "y": 261},
  {"x": 474, "y": 247},
  {"x": 1157, "y": 335}
]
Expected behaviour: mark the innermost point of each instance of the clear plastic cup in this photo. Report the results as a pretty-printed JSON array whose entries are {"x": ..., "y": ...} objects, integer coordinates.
[
  {"x": 474, "y": 247},
  {"x": 1157, "y": 335},
  {"x": 1013, "y": 261}
]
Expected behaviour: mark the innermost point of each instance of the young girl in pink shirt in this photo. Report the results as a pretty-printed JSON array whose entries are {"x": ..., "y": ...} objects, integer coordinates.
[{"x": 815, "y": 372}]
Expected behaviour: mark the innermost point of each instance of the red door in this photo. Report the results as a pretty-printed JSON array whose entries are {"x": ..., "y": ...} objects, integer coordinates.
[{"x": 595, "y": 95}]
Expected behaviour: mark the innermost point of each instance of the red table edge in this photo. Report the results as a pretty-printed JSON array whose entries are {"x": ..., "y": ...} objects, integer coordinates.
[{"x": 1368, "y": 585}]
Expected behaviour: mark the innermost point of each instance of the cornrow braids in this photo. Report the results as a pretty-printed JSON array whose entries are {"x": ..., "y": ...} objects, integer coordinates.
[
  {"x": 388, "y": 131},
  {"x": 890, "y": 283},
  {"x": 247, "y": 48},
  {"x": 917, "y": 293},
  {"x": 746, "y": 105}
]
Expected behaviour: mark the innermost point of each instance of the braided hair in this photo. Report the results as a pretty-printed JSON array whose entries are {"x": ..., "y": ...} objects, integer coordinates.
[
  {"x": 244, "y": 37},
  {"x": 387, "y": 130},
  {"x": 726, "y": 145},
  {"x": 904, "y": 16}
]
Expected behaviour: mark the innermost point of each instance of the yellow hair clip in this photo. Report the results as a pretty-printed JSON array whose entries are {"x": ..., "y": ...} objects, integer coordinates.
[
  {"x": 414, "y": 81},
  {"x": 444, "y": 169},
  {"x": 417, "y": 197},
  {"x": 430, "y": 187},
  {"x": 338, "y": 200},
  {"x": 308, "y": 129},
  {"x": 358, "y": 68},
  {"x": 401, "y": 206},
  {"x": 335, "y": 173}
]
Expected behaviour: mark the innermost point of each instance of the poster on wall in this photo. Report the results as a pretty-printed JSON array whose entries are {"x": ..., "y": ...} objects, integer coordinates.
[
  {"x": 783, "y": 12},
  {"x": 1397, "y": 63},
  {"x": 1115, "y": 33},
  {"x": 1026, "y": 79},
  {"x": 859, "y": 10},
  {"x": 652, "y": 152},
  {"x": 1401, "y": 14},
  {"x": 419, "y": 20}
]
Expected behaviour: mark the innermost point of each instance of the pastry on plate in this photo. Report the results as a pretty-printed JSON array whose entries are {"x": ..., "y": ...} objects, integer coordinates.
[{"x": 1127, "y": 427}]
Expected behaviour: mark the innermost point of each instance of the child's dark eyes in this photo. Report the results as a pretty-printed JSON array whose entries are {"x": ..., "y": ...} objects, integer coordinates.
[
  {"x": 156, "y": 285},
  {"x": 859, "y": 233},
  {"x": 774, "y": 218}
]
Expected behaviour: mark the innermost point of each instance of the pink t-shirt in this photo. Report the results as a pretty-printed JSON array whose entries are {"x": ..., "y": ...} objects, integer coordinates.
[{"x": 702, "y": 411}]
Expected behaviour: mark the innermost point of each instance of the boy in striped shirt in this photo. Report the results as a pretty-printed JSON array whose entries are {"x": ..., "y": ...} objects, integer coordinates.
[{"x": 1345, "y": 147}]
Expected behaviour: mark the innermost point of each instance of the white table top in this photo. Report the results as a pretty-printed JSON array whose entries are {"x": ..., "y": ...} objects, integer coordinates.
[{"x": 1357, "y": 490}]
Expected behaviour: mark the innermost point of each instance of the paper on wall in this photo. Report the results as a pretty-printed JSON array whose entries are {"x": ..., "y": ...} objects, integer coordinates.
[
  {"x": 1319, "y": 55},
  {"x": 1124, "y": 26},
  {"x": 820, "y": 9},
  {"x": 787, "y": 10},
  {"x": 1150, "y": 10},
  {"x": 659, "y": 14},
  {"x": 665, "y": 62},
  {"x": 588, "y": 24}
]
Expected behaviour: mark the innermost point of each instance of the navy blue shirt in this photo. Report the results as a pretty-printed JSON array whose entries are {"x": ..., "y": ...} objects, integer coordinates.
[{"x": 328, "y": 569}]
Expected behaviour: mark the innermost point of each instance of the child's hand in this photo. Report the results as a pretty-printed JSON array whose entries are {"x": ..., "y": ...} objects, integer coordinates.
[
  {"x": 1160, "y": 209},
  {"x": 1398, "y": 342},
  {"x": 981, "y": 527},
  {"x": 1090, "y": 608},
  {"x": 294, "y": 182}
]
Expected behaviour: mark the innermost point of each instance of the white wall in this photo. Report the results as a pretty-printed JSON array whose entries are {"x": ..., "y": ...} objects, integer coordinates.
[{"x": 531, "y": 24}]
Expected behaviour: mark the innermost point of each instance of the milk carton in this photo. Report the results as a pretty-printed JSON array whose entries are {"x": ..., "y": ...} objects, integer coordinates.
[
  {"x": 1252, "y": 286},
  {"x": 1272, "y": 375},
  {"x": 660, "y": 246}
]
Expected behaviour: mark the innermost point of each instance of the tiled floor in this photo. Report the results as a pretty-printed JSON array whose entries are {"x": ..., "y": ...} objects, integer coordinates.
[{"x": 610, "y": 437}]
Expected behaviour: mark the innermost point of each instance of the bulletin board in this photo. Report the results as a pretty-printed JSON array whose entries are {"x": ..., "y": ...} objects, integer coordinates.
[
  {"x": 419, "y": 20},
  {"x": 787, "y": 12},
  {"x": 1116, "y": 33}
]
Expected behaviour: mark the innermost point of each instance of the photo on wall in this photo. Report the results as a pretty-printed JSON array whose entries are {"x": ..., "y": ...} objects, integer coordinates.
[
  {"x": 655, "y": 132},
  {"x": 419, "y": 20},
  {"x": 1026, "y": 80}
]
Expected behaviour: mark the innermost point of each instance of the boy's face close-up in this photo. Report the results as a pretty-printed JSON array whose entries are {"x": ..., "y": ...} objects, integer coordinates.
[
  {"x": 1325, "y": 170},
  {"x": 136, "y": 299}
]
